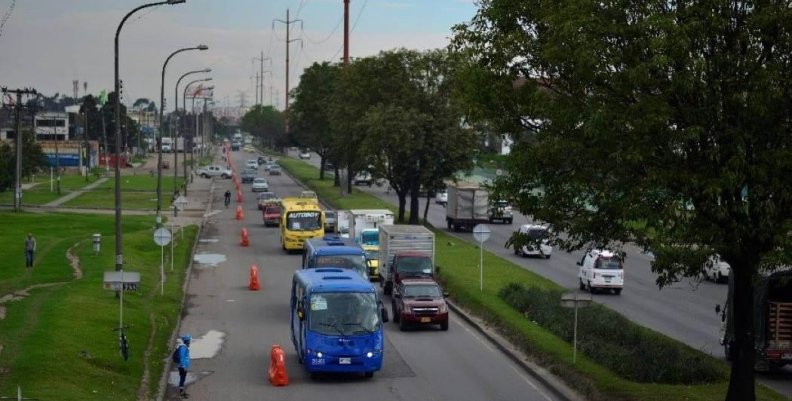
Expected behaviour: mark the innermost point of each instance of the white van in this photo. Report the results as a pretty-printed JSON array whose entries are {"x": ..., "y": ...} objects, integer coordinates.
[{"x": 601, "y": 270}]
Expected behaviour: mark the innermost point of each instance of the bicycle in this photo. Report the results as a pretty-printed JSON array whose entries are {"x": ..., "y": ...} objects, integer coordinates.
[
  {"x": 123, "y": 343},
  {"x": 227, "y": 201}
]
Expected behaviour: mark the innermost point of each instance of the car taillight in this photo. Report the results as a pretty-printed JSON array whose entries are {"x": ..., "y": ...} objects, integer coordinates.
[{"x": 773, "y": 354}]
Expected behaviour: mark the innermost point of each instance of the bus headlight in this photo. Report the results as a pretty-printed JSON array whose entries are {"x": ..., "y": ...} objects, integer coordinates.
[
  {"x": 369, "y": 354},
  {"x": 319, "y": 354}
]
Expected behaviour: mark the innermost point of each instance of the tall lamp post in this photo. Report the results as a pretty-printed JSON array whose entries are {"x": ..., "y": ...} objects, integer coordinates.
[
  {"x": 184, "y": 106},
  {"x": 159, "y": 143},
  {"x": 119, "y": 258},
  {"x": 176, "y": 108}
]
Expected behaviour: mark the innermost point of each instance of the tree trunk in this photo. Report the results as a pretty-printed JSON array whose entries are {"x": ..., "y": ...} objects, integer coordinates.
[
  {"x": 337, "y": 178},
  {"x": 415, "y": 208},
  {"x": 402, "y": 201},
  {"x": 741, "y": 380},
  {"x": 321, "y": 168},
  {"x": 349, "y": 183},
  {"x": 426, "y": 208}
]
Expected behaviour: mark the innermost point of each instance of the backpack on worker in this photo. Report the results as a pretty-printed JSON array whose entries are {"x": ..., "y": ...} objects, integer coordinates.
[{"x": 175, "y": 356}]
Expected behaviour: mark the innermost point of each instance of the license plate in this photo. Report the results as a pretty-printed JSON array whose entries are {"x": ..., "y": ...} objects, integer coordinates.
[
  {"x": 786, "y": 356},
  {"x": 607, "y": 280},
  {"x": 426, "y": 319},
  {"x": 344, "y": 361}
]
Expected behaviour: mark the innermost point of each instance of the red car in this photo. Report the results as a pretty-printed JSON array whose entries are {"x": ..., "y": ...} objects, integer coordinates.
[
  {"x": 419, "y": 301},
  {"x": 271, "y": 214}
]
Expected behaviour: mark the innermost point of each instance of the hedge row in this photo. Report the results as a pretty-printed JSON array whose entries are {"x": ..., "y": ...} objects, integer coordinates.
[{"x": 631, "y": 351}]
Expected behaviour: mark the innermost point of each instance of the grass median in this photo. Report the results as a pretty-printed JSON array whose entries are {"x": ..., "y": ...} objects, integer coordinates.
[
  {"x": 57, "y": 339},
  {"x": 458, "y": 271}
]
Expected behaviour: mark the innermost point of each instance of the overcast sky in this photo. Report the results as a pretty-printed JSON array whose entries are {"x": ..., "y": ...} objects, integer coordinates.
[{"x": 47, "y": 44}]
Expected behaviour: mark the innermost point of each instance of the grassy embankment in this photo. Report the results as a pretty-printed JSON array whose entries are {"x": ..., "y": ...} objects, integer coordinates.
[
  {"x": 458, "y": 271},
  {"x": 58, "y": 339}
]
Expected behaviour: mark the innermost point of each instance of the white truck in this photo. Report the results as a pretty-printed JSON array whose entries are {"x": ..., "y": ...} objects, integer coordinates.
[
  {"x": 364, "y": 224},
  {"x": 468, "y": 205},
  {"x": 405, "y": 251}
]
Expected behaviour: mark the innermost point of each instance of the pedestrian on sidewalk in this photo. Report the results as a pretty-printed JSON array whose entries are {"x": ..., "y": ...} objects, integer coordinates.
[
  {"x": 184, "y": 363},
  {"x": 30, "y": 250}
]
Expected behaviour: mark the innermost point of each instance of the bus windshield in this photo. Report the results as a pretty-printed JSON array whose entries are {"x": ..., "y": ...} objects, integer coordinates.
[
  {"x": 351, "y": 262},
  {"x": 344, "y": 313},
  {"x": 304, "y": 221},
  {"x": 370, "y": 238}
]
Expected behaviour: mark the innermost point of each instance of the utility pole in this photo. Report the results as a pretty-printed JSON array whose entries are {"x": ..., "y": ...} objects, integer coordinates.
[
  {"x": 18, "y": 140},
  {"x": 346, "y": 32},
  {"x": 260, "y": 79},
  {"x": 288, "y": 41}
]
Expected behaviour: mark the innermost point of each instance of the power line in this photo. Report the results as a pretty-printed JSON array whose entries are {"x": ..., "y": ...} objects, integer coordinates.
[
  {"x": 358, "y": 16},
  {"x": 319, "y": 42},
  {"x": 6, "y": 16}
]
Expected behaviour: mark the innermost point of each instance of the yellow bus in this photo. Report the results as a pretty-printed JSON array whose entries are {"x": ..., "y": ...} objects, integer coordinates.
[{"x": 301, "y": 219}]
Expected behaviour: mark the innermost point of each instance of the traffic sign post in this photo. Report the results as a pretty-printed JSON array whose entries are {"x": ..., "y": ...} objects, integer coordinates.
[
  {"x": 575, "y": 300},
  {"x": 481, "y": 232},
  {"x": 162, "y": 237}
]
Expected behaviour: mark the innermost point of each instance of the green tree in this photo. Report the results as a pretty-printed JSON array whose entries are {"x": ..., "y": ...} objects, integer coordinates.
[
  {"x": 310, "y": 112},
  {"x": 265, "y": 123},
  {"x": 664, "y": 123}
]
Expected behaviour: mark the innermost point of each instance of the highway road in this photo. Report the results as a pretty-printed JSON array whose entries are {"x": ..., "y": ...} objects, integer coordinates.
[
  {"x": 233, "y": 329},
  {"x": 684, "y": 311}
]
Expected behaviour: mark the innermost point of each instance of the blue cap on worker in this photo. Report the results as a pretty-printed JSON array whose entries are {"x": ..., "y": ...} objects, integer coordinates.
[{"x": 186, "y": 338}]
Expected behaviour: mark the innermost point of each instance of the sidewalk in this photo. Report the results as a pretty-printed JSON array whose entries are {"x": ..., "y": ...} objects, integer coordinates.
[{"x": 74, "y": 194}]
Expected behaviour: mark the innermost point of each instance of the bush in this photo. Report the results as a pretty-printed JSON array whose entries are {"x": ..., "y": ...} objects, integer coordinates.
[{"x": 631, "y": 351}]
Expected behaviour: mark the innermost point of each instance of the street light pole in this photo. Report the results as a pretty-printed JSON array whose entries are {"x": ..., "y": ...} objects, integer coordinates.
[
  {"x": 119, "y": 259},
  {"x": 174, "y": 146},
  {"x": 184, "y": 100},
  {"x": 176, "y": 109}
]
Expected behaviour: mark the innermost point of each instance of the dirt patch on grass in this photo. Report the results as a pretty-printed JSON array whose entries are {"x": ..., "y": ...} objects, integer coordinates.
[{"x": 74, "y": 262}]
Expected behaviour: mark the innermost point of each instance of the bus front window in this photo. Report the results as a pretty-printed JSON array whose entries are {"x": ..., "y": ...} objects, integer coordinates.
[
  {"x": 344, "y": 313},
  {"x": 351, "y": 262},
  {"x": 304, "y": 221}
]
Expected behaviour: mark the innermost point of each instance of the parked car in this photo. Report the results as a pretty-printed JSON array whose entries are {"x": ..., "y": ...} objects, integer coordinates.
[
  {"x": 441, "y": 197},
  {"x": 214, "y": 171},
  {"x": 275, "y": 170},
  {"x": 260, "y": 184},
  {"x": 419, "y": 301},
  {"x": 601, "y": 270},
  {"x": 266, "y": 197},
  {"x": 248, "y": 175},
  {"x": 331, "y": 221},
  {"x": 362, "y": 178},
  {"x": 271, "y": 214},
  {"x": 501, "y": 211},
  {"x": 716, "y": 269},
  {"x": 541, "y": 246},
  {"x": 305, "y": 155},
  {"x": 252, "y": 164}
]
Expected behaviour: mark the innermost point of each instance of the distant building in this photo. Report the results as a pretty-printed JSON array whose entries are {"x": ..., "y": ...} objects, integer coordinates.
[{"x": 52, "y": 126}]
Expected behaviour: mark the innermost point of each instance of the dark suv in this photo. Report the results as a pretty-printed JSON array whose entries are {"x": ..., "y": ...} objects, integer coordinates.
[{"x": 419, "y": 301}]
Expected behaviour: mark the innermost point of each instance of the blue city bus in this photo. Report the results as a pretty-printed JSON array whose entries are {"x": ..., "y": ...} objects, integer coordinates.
[
  {"x": 337, "y": 321},
  {"x": 334, "y": 251}
]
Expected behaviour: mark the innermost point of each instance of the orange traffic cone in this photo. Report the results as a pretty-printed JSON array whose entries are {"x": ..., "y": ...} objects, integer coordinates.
[
  {"x": 239, "y": 196},
  {"x": 277, "y": 369},
  {"x": 245, "y": 239},
  {"x": 254, "y": 281},
  {"x": 239, "y": 214}
]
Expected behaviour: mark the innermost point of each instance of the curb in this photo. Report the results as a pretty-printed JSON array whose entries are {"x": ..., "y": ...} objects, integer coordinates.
[{"x": 558, "y": 389}]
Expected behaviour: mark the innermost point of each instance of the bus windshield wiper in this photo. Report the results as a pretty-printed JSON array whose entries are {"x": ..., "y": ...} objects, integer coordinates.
[{"x": 335, "y": 326}]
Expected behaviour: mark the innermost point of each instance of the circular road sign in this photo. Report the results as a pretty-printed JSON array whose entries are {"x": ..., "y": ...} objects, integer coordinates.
[
  {"x": 162, "y": 236},
  {"x": 481, "y": 232}
]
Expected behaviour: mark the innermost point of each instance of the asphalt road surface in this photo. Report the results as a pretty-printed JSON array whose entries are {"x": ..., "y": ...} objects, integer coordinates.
[
  {"x": 234, "y": 328},
  {"x": 684, "y": 311}
]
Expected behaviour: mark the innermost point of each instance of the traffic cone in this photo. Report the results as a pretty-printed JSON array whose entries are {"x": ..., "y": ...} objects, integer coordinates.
[
  {"x": 239, "y": 214},
  {"x": 245, "y": 239},
  {"x": 239, "y": 196},
  {"x": 254, "y": 280},
  {"x": 277, "y": 369}
]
